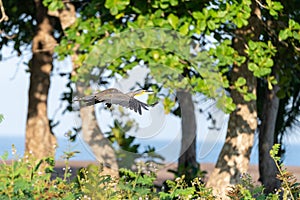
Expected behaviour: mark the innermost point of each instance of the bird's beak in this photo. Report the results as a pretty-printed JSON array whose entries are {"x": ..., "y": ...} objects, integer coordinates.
[
  {"x": 148, "y": 92},
  {"x": 144, "y": 92}
]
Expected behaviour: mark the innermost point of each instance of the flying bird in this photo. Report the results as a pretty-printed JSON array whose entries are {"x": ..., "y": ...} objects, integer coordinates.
[{"x": 115, "y": 96}]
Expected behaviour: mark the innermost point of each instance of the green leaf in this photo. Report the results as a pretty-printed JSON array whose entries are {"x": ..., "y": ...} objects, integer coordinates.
[
  {"x": 221, "y": 14},
  {"x": 249, "y": 96},
  {"x": 184, "y": 30},
  {"x": 271, "y": 81},
  {"x": 252, "y": 66},
  {"x": 198, "y": 15},
  {"x": 268, "y": 63},
  {"x": 296, "y": 35},
  {"x": 54, "y": 4},
  {"x": 173, "y": 20},
  {"x": 240, "y": 82},
  {"x": 284, "y": 34},
  {"x": 164, "y": 5},
  {"x": 252, "y": 45},
  {"x": 260, "y": 72},
  {"x": 230, "y": 106},
  {"x": 274, "y": 7},
  {"x": 201, "y": 25},
  {"x": 168, "y": 105},
  {"x": 211, "y": 24},
  {"x": 240, "y": 22},
  {"x": 273, "y": 13},
  {"x": 291, "y": 23},
  {"x": 277, "y": 6},
  {"x": 174, "y": 2},
  {"x": 274, "y": 152},
  {"x": 115, "y": 6}
]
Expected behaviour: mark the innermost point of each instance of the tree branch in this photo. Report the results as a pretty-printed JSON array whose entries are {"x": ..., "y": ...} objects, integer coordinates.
[
  {"x": 259, "y": 3},
  {"x": 4, "y": 16}
]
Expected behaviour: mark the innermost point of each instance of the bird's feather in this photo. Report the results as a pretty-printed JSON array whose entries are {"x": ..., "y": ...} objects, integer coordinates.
[{"x": 114, "y": 96}]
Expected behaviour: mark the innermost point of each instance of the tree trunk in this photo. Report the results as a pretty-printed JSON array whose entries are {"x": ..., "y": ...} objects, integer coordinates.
[
  {"x": 267, "y": 166},
  {"x": 234, "y": 158},
  {"x": 91, "y": 132},
  {"x": 94, "y": 137},
  {"x": 187, "y": 163},
  {"x": 39, "y": 139}
]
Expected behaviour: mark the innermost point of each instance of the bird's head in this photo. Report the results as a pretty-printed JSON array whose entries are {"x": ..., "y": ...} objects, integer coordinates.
[{"x": 141, "y": 92}]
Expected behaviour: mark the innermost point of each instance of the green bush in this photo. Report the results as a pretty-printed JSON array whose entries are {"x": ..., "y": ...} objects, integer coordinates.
[
  {"x": 29, "y": 178},
  {"x": 290, "y": 188}
]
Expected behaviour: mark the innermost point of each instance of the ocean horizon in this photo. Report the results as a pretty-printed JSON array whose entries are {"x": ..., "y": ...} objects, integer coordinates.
[{"x": 207, "y": 152}]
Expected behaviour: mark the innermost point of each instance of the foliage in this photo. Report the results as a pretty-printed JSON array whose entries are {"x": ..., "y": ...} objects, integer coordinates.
[
  {"x": 281, "y": 27},
  {"x": 28, "y": 178},
  {"x": 115, "y": 36},
  {"x": 180, "y": 189},
  {"x": 290, "y": 188},
  {"x": 111, "y": 33},
  {"x": 246, "y": 189},
  {"x": 190, "y": 172}
]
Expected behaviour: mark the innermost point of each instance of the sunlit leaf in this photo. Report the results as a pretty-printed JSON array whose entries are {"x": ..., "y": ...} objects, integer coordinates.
[{"x": 173, "y": 20}]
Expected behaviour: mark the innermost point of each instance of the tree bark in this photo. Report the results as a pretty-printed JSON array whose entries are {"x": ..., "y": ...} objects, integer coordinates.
[
  {"x": 234, "y": 158},
  {"x": 267, "y": 166},
  {"x": 187, "y": 163},
  {"x": 99, "y": 144},
  {"x": 39, "y": 139}
]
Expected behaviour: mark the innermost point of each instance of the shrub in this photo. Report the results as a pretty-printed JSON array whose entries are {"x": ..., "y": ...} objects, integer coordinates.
[
  {"x": 289, "y": 189},
  {"x": 29, "y": 178}
]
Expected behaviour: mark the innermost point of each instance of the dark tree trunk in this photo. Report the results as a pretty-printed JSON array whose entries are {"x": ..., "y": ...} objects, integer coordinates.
[
  {"x": 234, "y": 158},
  {"x": 39, "y": 139},
  {"x": 267, "y": 166},
  {"x": 187, "y": 163}
]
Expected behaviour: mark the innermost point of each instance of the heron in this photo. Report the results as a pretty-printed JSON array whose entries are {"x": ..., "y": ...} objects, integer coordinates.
[{"x": 114, "y": 96}]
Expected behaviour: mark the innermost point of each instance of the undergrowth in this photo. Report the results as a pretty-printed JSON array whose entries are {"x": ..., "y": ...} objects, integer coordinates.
[
  {"x": 289, "y": 189},
  {"x": 29, "y": 178}
]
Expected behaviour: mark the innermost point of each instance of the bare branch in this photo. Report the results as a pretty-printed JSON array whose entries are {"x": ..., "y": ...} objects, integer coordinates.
[
  {"x": 260, "y": 4},
  {"x": 7, "y": 36},
  {"x": 4, "y": 16}
]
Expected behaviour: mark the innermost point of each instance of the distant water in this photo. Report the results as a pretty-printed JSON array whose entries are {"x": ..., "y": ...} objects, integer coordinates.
[{"x": 207, "y": 151}]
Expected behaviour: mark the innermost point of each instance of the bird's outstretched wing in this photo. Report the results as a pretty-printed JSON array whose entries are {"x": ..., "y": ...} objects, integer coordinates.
[
  {"x": 99, "y": 97},
  {"x": 114, "y": 96},
  {"x": 125, "y": 101},
  {"x": 137, "y": 105}
]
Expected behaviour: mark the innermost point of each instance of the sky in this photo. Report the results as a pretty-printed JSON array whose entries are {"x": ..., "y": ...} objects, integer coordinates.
[{"x": 154, "y": 125}]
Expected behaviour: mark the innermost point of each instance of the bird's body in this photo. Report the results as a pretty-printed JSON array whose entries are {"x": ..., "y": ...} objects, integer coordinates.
[{"x": 115, "y": 96}]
